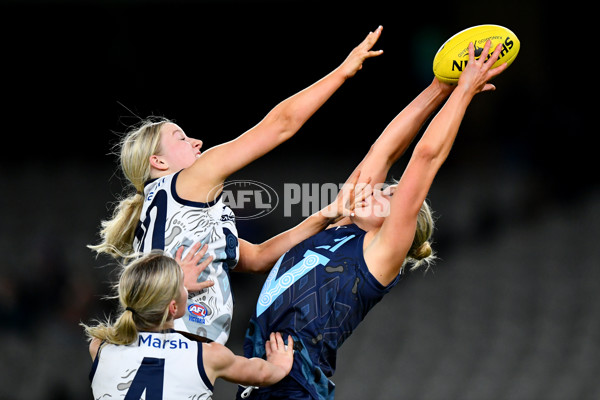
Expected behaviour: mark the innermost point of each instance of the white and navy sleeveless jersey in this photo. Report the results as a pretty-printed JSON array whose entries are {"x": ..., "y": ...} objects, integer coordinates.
[
  {"x": 168, "y": 222},
  {"x": 318, "y": 292},
  {"x": 156, "y": 366}
]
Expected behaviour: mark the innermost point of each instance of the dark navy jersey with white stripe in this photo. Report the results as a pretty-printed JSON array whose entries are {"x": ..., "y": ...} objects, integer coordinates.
[{"x": 319, "y": 291}]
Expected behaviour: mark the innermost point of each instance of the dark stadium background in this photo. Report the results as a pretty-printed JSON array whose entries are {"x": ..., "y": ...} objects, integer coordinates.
[{"x": 509, "y": 312}]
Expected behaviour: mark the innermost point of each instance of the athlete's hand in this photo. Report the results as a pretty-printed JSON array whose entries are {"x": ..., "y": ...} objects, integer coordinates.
[
  {"x": 477, "y": 73},
  {"x": 191, "y": 268},
  {"x": 353, "y": 63},
  {"x": 349, "y": 197},
  {"x": 278, "y": 353}
]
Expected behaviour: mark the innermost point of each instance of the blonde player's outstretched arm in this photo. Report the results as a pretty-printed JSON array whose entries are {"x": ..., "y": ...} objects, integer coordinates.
[
  {"x": 400, "y": 132},
  {"x": 398, "y": 135},
  {"x": 386, "y": 252},
  {"x": 279, "y": 125},
  {"x": 220, "y": 362}
]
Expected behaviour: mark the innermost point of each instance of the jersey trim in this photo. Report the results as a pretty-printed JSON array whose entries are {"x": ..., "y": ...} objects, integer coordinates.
[
  {"x": 369, "y": 275},
  {"x": 201, "y": 369},
  {"x": 95, "y": 363},
  {"x": 182, "y": 201},
  {"x": 191, "y": 203}
]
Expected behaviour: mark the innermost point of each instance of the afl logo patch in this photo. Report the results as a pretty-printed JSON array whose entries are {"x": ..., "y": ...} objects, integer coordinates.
[{"x": 197, "y": 309}]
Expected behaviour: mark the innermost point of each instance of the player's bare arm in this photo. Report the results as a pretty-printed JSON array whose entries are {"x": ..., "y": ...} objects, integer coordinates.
[
  {"x": 220, "y": 362},
  {"x": 281, "y": 123},
  {"x": 386, "y": 248},
  {"x": 260, "y": 258}
]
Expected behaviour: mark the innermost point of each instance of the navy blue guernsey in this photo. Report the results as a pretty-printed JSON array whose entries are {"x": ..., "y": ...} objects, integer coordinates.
[{"x": 318, "y": 292}]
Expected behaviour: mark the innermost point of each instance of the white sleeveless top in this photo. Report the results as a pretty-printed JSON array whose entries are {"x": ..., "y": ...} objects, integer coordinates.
[
  {"x": 168, "y": 222},
  {"x": 156, "y": 366}
]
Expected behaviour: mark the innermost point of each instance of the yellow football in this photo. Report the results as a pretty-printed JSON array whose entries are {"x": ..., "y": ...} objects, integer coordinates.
[{"x": 453, "y": 56}]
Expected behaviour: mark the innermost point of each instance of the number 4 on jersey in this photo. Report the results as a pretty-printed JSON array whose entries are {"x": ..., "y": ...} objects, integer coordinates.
[{"x": 149, "y": 377}]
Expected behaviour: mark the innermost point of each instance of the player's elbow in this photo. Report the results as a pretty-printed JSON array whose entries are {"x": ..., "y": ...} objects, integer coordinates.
[
  {"x": 283, "y": 123},
  {"x": 427, "y": 153},
  {"x": 259, "y": 267},
  {"x": 253, "y": 259},
  {"x": 382, "y": 154}
]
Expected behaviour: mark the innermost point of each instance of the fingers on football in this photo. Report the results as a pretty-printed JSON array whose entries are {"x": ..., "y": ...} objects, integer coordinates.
[
  {"x": 495, "y": 55},
  {"x": 471, "y": 53}
]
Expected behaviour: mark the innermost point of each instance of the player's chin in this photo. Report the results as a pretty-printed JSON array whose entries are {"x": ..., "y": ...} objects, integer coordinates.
[{"x": 367, "y": 216}]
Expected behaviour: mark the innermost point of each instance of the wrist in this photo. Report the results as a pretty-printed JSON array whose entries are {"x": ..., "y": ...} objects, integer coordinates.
[
  {"x": 340, "y": 74},
  {"x": 440, "y": 89},
  {"x": 326, "y": 216},
  {"x": 464, "y": 92}
]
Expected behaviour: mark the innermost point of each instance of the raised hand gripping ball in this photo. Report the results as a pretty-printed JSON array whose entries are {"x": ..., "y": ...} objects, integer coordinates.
[{"x": 453, "y": 56}]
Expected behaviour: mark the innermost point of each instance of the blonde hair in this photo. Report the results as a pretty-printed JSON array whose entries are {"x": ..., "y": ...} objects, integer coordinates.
[
  {"x": 135, "y": 149},
  {"x": 146, "y": 288},
  {"x": 420, "y": 252}
]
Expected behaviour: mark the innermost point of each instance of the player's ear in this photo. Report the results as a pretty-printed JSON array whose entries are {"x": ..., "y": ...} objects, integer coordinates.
[
  {"x": 173, "y": 308},
  {"x": 158, "y": 162}
]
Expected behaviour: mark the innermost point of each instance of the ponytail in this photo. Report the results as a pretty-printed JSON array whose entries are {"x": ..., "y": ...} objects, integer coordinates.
[
  {"x": 420, "y": 252},
  {"x": 145, "y": 289},
  {"x": 135, "y": 149},
  {"x": 118, "y": 232},
  {"x": 122, "y": 331}
]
